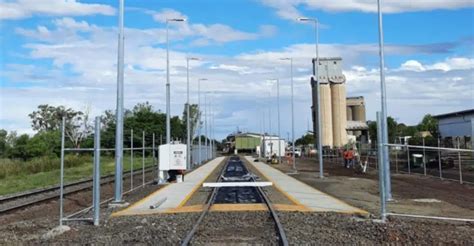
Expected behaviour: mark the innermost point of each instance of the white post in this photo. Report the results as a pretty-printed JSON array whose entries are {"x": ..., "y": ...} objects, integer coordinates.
[
  {"x": 143, "y": 158},
  {"x": 188, "y": 129},
  {"x": 61, "y": 178},
  {"x": 386, "y": 159},
  {"x": 439, "y": 161},
  {"x": 424, "y": 158},
  {"x": 131, "y": 159},
  {"x": 168, "y": 124},
  {"x": 119, "y": 113},
  {"x": 408, "y": 157},
  {"x": 96, "y": 172},
  {"x": 381, "y": 168},
  {"x": 459, "y": 160},
  {"x": 279, "y": 134}
]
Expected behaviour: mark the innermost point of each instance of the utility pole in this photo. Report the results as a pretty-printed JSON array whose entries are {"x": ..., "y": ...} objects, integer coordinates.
[{"x": 119, "y": 109}]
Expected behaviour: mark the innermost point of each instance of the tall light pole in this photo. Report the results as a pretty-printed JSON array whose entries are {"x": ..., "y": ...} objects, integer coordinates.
[
  {"x": 383, "y": 93},
  {"x": 188, "y": 125},
  {"x": 210, "y": 128},
  {"x": 278, "y": 116},
  {"x": 119, "y": 110},
  {"x": 292, "y": 114},
  {"x": 205, "y": 124},
  {"x": 199, "y": 119},
  {"x": 168, "y": 107},
  {"x": 316, "y": 75}
]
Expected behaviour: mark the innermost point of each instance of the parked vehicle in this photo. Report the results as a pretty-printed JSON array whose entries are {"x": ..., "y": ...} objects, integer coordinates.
[{"x": 297, "y": 152}]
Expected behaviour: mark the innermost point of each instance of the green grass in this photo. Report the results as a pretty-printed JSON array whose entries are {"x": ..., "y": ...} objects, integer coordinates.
[{"x": 24, "y": 181}]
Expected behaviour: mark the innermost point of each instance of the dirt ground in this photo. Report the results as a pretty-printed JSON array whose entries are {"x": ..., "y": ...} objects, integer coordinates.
[
  {"x": 413, "y": 194},
  {"x": 27, "y": 226},
  {"x": 30, "y": 223}
]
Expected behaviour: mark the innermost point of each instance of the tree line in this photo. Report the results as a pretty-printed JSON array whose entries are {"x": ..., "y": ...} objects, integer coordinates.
[
  {"x": 428, "y": 124},
  {"x": 47, "y": 119}
]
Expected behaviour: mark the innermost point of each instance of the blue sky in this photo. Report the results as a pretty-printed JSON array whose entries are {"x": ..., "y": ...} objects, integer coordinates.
[{"x": 59, "y": 52}]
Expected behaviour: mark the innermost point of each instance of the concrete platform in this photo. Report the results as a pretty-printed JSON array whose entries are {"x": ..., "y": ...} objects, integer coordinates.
[
  {"x": 301, "y": 193},
  {"x": 173, "y": 195}
]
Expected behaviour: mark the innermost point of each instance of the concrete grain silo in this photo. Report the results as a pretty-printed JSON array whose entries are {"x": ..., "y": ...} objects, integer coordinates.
[
  {"x": 333, "y": 102},
  {"x": 326, "y": 110},
  {"x": 358, "y": 113},
  {"x": 339, "y": 120},
  {"x": 349, "y": 113},
  {"x": 326, "y": 114}
]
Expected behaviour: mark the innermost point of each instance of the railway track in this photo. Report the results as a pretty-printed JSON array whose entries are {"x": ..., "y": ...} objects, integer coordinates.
[
  {"x": 19, "y": 201},
  {"x": 236, "y": 172}
]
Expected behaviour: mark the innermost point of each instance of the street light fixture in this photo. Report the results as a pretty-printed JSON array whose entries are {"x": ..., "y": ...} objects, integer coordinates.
[
  {"x": 316, "y": 75},
  {"x": 188, "y": 126},
  {"x": 168, "y": 107},
  {"x": 292, "y": 113},
  {"x": 199, "y": 119}
]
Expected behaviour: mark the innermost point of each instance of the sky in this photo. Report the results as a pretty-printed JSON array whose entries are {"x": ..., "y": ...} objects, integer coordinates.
[{"x": 62, "y": 52}]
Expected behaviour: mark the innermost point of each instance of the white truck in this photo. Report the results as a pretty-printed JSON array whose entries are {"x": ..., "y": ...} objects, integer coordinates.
[{"x": 270, "y": 147}]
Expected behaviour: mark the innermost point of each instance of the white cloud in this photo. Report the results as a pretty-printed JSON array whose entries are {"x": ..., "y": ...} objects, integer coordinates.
[
  {"x": 21, "y": 9},
  {"x": 84, "y": 72},
  {"x": 166, "y": 14},
  {"x": 288, "y": 9},
  {"x": 208, "y": 34},
  {"x": 455, "y": 63},
  {"x": 413, "y": 65}
]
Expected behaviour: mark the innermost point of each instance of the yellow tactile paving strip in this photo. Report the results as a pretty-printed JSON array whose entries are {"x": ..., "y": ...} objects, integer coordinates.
[{"x": 349, "y": 209}]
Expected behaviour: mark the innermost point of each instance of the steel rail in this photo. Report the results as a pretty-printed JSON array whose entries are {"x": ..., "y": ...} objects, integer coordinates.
[
  {"x": 209, "y": 203},
  {"x": 54, "y": 196},
  {"x": 281, "y": 233}
]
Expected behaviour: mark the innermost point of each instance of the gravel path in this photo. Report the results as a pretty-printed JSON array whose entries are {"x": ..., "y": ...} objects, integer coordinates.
[
  {"x": 235, "y": 228},
  {"x": 49, "y": 193},
  {"x": 229, "y": 228},
  {"x": 340, "y": 229}
]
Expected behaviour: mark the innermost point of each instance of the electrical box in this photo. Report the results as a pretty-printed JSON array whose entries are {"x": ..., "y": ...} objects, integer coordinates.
[{"x": 172, "y": 157}]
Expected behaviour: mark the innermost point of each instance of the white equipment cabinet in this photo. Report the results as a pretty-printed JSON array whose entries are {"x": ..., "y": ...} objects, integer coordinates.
[
  {"x": 172, "y": 157},
  {"x": 270, "y": 147}
]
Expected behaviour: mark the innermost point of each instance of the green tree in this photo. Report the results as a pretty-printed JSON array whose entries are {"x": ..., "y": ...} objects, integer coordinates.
[
  {"x": 430, "y": 124},
  {"x": 45, "y": 143},
  {"x": 20, "y": 148},
  {"x": 3, "y": 142},
  {"x": 305, "y": 140},
  {"x": 49, "y": 118},
  {"x": 393, "y": 130},
  {"x": 193, "y": 117}
]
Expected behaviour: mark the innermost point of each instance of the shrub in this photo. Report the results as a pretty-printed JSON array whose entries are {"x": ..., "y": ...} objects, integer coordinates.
[{"x": 12, "y": 167}]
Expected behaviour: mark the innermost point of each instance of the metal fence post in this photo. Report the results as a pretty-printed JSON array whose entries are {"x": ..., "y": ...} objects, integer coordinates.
[
  {"x": 131, "y": 159},
  {"x": 424, "y": 157},
  {"x": 96, "y": 172},
  {"x": 61, "y": 189},
  {"x": 381, "y": 168},
  {"x": 459, "y": 160},
  {"x": 143, "y": 158},
  {"x": 377, "y": 161},
  {"x": 154, "y": 157},
  {"x": 439, "y": 161},
  {"x": 396, "y": 159},
  {"x": 408, "y": 158}
]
